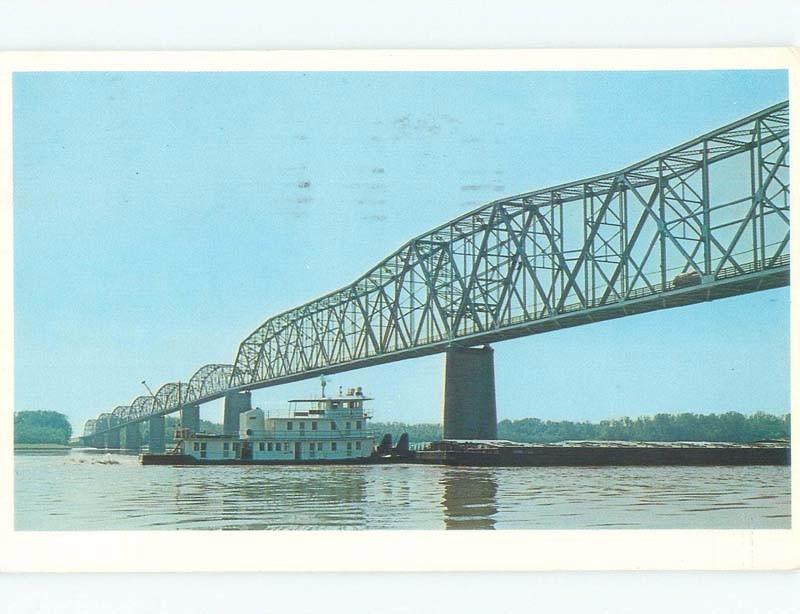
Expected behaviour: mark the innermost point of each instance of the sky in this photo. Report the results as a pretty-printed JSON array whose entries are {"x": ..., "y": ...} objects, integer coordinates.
[{"x": 159, "y": 218}]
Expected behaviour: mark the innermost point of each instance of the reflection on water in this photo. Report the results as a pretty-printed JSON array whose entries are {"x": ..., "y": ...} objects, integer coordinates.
[
  {"x": 469, "y": 500},
  {"x": 292, "y": 497},
  {"x": 102, "y": 491}
]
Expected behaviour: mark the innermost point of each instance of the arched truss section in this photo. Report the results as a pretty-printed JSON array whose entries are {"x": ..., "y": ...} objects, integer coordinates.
[
  {"x": 705, "y": 212},
  {"x": 169, "y": 397},
  {"x": 89, "y": 427},
  {"x": 142, "y": 407},
  {"x": 120, "y": 413},
  {"x": 208, "y": 380}
]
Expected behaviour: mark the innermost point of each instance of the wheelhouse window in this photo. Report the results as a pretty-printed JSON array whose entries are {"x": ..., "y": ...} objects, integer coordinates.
[{"x": 289, "y": 426}]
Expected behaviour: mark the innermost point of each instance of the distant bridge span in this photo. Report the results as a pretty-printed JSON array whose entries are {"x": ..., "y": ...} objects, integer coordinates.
[{"x": 705, "y": 220}]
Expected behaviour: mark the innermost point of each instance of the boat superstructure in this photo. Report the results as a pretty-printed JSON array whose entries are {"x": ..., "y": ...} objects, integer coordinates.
[{"x": 314, "y": 429}]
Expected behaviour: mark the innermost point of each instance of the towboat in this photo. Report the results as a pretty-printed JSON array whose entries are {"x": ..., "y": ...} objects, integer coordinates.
[{"x": 315, "y": 430}]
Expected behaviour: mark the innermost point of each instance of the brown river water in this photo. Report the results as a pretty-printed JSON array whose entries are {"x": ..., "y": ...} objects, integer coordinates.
[{"x": 83, "y": 490}]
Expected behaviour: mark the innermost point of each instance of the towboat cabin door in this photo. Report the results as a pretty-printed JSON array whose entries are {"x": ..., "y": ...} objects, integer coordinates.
[{"x": 297, "y": 450}]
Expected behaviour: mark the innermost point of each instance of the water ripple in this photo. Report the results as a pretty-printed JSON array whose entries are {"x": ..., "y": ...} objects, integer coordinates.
[{"x": 84, "y": 494}]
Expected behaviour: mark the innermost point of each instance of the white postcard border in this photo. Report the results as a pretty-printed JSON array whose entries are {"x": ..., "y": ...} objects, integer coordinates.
[{"x": 503, "y": 550}]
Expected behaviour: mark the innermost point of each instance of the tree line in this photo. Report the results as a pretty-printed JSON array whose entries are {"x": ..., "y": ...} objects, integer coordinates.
[
  {"x": 54, "y": 427},
  {"x": 728, "y": 427},
  {"x": 41, "y": 427}
]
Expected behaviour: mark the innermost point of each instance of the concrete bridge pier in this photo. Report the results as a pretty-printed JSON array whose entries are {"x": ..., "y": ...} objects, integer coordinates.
[
  {"x": 190, "y": 417},
  {"x": 156, "y": 425},
  {"x": 469, "y": 411},
  {"x": 112, "y": 439},
  {"x": 101, "y": 439},
  {"x": 235, "y": 404},
  {"x": 133, "y": 438}
]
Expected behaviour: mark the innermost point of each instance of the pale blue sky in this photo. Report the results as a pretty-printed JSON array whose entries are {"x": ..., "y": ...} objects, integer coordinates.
[{"x": 160, "y": 218}]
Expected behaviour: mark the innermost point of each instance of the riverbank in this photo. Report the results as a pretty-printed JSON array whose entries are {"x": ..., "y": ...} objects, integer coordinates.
[{"x": 40, "y": 447}]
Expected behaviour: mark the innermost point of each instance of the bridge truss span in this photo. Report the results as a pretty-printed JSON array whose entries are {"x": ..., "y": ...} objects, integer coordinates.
[
  {"x": 208, "y": 383},
  {"x": 706, "y": 219}
]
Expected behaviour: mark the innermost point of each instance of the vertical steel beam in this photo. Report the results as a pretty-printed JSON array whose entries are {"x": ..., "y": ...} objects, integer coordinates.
[{"x": 706, "y": 205}]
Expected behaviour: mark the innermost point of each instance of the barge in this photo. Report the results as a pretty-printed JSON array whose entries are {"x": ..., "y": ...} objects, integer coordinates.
[{"x": 602, "y": 453}]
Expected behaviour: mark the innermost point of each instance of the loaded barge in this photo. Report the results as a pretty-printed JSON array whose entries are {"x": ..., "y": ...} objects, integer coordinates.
[
  {"x": 601, "y": 453},
  {"x": 334, "y": 431}
]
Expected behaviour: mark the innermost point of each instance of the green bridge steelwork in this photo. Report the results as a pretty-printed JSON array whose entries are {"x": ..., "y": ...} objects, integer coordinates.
[{"x": 707, "y": 219}]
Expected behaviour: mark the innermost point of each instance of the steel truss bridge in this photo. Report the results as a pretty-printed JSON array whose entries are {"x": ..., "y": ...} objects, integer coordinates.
[{"x": 705, "y": 220}]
